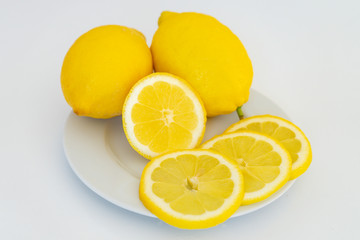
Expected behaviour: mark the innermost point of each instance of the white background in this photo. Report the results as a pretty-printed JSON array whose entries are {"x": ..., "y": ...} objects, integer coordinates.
[{"x": 306, "y": 59}]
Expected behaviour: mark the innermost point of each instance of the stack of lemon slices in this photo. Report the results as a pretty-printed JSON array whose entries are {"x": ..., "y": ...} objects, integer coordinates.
[
  {"x": 203, "y": 187},
  {"x": 269, "y": 150}
]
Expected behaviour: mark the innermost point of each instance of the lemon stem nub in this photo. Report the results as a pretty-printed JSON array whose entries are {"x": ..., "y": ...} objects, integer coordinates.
[
  {"x": 240, "y": 113},
  {"x": 192, "y": 183}
]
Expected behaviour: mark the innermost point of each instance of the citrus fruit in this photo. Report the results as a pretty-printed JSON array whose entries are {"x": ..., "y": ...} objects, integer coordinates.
[
  {"x": 264, "y": 162},
  {"x": 204, "y": 52},
  {"x": 192, "y": 189},
  {"x": 293, "y": 139},
  {"x": 100, "y": 68},
  {"x": 162, "y": 113}
]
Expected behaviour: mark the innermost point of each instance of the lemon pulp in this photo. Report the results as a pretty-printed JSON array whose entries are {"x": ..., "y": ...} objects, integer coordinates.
[
  {"x": 192, "y": 188},
  {"x": 289, "y": 135},
  {"x": 265, "y": 164},
  {"x": 162, "y": 113}
]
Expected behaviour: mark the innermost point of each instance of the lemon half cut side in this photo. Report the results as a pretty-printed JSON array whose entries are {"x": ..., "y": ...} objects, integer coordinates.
[{"x": 163, "y": 113}]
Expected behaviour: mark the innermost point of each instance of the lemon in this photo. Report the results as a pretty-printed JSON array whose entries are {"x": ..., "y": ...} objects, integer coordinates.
[
  {"x": 204, "y": 52},
  {"x": 163, "y": 113},
  {"x": 100, "y": 68},
  {"x": 293, "y": 139},
  {"x": 192, "y": 189},
  {"x": 264, "y": 162}
]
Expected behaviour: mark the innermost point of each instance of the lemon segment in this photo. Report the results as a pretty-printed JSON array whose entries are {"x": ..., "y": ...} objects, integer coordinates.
[
  {"x": 192, "y": 189},
  {"x": 264, "y": 162},
  {"x": 290, "y": 136},
  {"x": 162, "y": 113}
]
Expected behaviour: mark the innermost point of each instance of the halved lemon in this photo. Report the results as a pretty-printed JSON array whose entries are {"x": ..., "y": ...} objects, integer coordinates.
[
  {"x": 293, "y": 139},
  {"x": 163, "y": 113},
  {"x": 192, "y": 189},
  {"x": 264, "y": 162}
]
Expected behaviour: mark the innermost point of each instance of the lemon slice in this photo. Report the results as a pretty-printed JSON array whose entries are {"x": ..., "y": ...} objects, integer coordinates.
[
  {"x": 293, "y": 139},
  {"x": 264, "y": 162},
  {"x": 192, "y": 189},
  {"x": 162, "y": 113}
]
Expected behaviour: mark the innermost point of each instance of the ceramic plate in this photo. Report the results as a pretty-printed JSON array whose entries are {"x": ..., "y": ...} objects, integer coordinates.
[{"x": 102, "y": 158}]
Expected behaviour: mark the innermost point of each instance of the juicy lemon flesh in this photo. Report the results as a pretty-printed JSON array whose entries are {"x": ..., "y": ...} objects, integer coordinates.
[
  {"x": 289, "y": 135},
  {"x": 257, "y": 160},
  {"x": 264, "y": 168},
  {"x": 284, "y": 135},
  {"x": 164, "y": 117},
  {"x": 192, "y": 189},
  {"x": 192, "y": 185},
  {"x": 162, "y": 113}
]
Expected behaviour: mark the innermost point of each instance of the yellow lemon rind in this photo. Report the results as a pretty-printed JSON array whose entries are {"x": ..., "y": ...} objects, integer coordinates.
[
  {"x": 91, "y": 86},
  {"x": 207, "y": 54}
]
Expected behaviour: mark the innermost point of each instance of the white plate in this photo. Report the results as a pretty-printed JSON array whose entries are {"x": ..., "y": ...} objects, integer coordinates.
[{"x": 102, "y": 158}]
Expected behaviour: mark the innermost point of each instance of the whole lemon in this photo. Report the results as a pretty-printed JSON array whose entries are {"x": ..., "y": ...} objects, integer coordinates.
[
  {"x": 204, "y": 52},
  {"x": 100, "y": 68}
]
